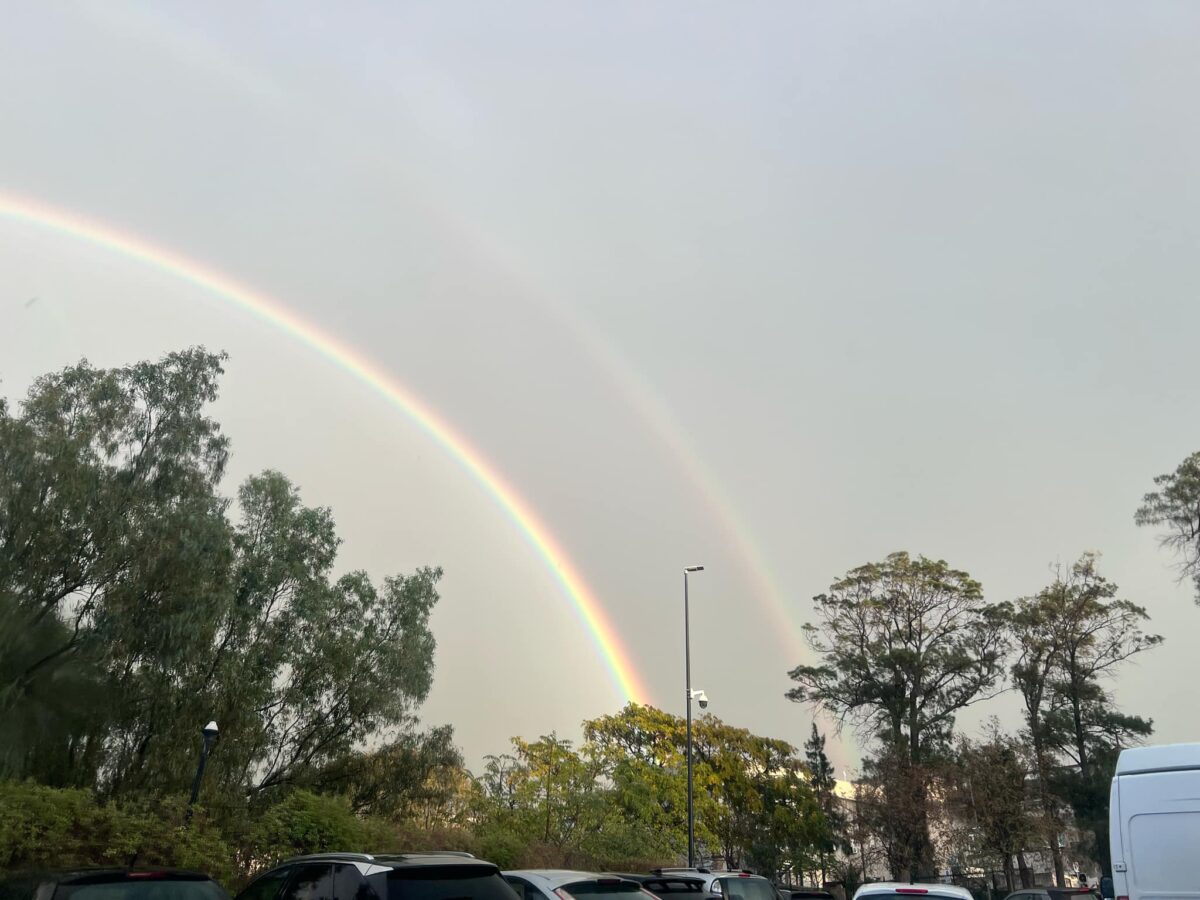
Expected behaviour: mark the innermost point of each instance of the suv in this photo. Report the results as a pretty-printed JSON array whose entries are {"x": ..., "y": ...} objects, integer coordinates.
[
  {"x": 729, "y": 885},
  {"x": 112, "y": 884},
  {"x": 362, "y": 876}
]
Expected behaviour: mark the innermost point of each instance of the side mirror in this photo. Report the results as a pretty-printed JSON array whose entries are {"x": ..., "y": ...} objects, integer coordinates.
[{"x": 1107, "y": 891}]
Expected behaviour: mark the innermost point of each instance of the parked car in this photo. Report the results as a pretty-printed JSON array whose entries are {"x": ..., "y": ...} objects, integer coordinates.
[
  {"x": 668, "y": 885},
  {"x": 391, "y": 876},
  {"x": 564, "y": 884},
  {"x": 890, "y": 890},
  {"x": 112, "y": 884},
  {"x": 803, "y": 893},
  {"x": 1052, "y": 893},
  {"x": 729, "y": 885}
]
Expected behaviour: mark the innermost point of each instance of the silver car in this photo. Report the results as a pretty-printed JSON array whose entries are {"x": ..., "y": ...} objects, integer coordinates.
[{"x": 563, "y": 884}]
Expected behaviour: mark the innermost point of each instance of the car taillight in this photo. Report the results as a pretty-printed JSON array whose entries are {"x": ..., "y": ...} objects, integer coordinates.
[{"x": 563, "y": 894}]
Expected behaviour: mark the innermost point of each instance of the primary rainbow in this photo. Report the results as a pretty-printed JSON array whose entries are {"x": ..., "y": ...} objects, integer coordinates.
[{"x": 625, "y": 677}]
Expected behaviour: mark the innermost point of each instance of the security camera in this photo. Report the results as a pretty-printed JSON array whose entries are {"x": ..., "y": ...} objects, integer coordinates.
[{"x": 701, "y": 698}]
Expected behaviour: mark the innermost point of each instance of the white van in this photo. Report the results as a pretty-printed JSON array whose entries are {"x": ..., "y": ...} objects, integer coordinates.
[{"x": 1154, "y": 822}]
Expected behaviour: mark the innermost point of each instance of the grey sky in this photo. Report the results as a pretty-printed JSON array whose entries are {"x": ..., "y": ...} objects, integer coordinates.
[{"x": 908, "y": 276}]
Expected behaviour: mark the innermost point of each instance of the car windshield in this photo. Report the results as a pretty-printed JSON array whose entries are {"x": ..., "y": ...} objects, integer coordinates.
[
  {"x": 448, "y": 883},
  {"x": 674, "y": 886},
  {"x": 748, "y": 889},
  {"x": 156, "y": 888}
]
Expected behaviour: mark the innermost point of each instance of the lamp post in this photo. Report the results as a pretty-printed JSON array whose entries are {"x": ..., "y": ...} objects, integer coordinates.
[
  {"x": 687, "y": 662},
  {"x": 210, "y": 733}
]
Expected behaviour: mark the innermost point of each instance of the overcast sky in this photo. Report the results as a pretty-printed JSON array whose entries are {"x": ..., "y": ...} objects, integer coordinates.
[{"x": 777, "y": 288}]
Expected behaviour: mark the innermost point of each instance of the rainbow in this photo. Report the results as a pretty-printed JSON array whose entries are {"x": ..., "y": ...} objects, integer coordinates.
[{"x": 625, "y": 677}]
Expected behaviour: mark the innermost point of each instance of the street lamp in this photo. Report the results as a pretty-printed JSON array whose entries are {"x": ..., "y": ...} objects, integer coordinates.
[
  {"x": 697, "y": 695},
  {"x": 210, "y": 733}
]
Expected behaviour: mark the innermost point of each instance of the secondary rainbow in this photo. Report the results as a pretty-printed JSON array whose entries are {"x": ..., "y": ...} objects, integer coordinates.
[{"x": 624, "y": 676}]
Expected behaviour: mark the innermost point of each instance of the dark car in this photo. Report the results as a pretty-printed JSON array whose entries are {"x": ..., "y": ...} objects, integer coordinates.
[
  {"x": 111, "y": 884},
  {"x": 394, "y": 876}
]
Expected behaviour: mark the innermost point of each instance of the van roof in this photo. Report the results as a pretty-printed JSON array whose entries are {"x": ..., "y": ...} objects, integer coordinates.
[{"x": 1164, "y": 758}]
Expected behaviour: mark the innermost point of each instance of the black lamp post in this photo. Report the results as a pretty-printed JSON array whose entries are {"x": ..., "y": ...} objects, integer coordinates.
[
  {"x": 687, "y": 662},
  {"x": 210, "y": 733}
]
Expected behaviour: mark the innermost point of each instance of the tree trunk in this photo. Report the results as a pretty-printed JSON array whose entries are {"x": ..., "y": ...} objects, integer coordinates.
[
  {"x": 1009, "y": 885},
  {"x": 1060, "y": 874},
  {"x": 1023, "y": 867}
]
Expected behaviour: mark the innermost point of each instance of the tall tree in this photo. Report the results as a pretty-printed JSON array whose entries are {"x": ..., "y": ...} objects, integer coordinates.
[
  {"x": 824, "y": 784},
  {"x": 1175, "y": 507},
  {"x": 1037, "y": 656},
  {"x": 1094, "y": 634},
  {"x": 904, "y": 645}
]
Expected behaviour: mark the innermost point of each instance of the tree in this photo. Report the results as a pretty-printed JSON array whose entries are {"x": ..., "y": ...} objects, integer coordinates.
[
  {"x": 904, "y": 645},
  {"x": 1094, "y": 633},
  {"x": 119, "y": 564},
  {"x": 824, "y": 783},
  {"x": 1036, "y": 638},
  {"x": 110, "y": 523},
  {"x": 1175, "y": 506},
  {"x": 753, "y": 803},
  {"x": 987, "y": 790}
]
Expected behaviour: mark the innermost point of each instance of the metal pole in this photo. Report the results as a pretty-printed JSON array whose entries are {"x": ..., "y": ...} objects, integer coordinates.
[
  {"x": 687, "y": 657},
  {"x": 199, "y": 778}
]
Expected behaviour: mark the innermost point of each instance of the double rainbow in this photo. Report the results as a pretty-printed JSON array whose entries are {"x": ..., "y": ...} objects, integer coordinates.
[{"x": 625, "y": 677}]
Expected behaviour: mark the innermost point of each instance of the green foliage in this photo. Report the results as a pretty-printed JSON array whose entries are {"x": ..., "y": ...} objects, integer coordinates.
[
  {"x": 832, "y": 836},
  {"x": 123, "y": 578},
  {"x": 304, "y": 822},
  {"x": 986, "y": 790},
  {"x": 1175, "y": 507},
  {"x": 43, "y": 827},
  {"x": 620, "y": 801}
]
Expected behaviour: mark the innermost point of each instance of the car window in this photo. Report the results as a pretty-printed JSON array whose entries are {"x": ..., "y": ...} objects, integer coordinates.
[
  {"x": 349, "y": 884},
  {"x": 310, "y": 882},
  {"x": 265, "y": 887},
  {"x": 524, "y": 889},
  {"x": 673, "y": 886},
  {"x": 20, "y": 887},
  {"x": 747, "y": 889},
  {"x": 593, "y": 888},
  {"x": 447, "y": 883}
]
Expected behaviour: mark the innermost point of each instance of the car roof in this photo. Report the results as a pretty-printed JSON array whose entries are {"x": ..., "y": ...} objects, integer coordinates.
[
  {"x": 1163, "y": 758},
  {"x": 396, "y": 860},
  {"x": 366, "y": 862},
  {"x": 907, "y": 887},
  {"x": 71, "y": 876},
  {"x": 555, "y": 878}
]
